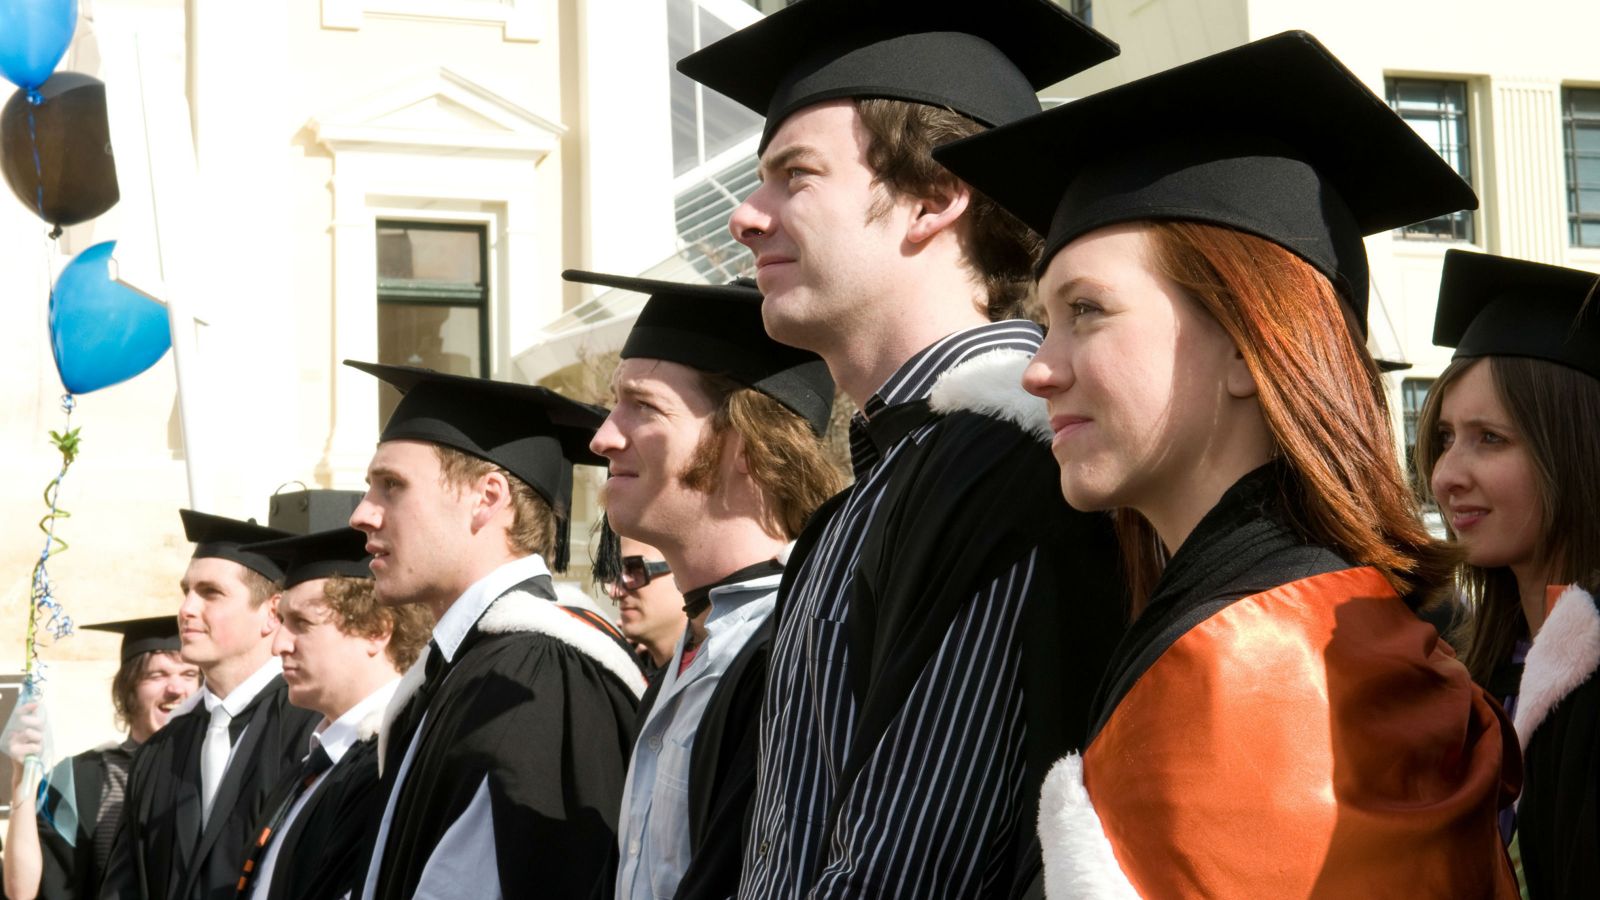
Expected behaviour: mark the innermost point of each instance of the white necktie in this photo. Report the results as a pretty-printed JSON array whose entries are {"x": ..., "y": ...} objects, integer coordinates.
[{"x": 214, "y": 759}]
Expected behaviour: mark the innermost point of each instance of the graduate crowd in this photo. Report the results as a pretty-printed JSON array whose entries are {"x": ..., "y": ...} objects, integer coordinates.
[{"x": 1136, "y": 604}]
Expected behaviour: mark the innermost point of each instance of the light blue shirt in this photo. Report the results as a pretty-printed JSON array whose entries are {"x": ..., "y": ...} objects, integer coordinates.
[
  {"x": 463, "y": 866},
  {"x": 653, "y": 835}
]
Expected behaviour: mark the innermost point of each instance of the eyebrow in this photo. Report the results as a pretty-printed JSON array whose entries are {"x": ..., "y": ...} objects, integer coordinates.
[
  {"x": 787, "y": 157},
  {"x": 381, "y": 471},
  {"x": 1076, "y": 283}
]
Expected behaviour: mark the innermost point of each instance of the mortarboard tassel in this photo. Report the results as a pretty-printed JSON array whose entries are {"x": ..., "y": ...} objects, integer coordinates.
[
  {"x": 563, "y": 550},
  {"x": 607, "y": 568}
]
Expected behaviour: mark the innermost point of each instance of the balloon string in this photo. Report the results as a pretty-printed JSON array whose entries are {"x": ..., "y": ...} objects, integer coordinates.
[{"x": 44, "y": 605}]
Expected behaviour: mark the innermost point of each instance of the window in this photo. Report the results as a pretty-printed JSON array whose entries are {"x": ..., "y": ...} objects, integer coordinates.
[
  {"x": 704, "y": 123},
  {"x": 1083, "y": 9},
  {"x": 1438, "y": 112},
  {"x": 1580, "y": 124},
  {"x": 1413, "y": 396},
  {"x": 432, "y": 300}
]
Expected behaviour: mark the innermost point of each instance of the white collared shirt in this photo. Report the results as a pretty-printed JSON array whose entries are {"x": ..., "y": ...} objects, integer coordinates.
[
  {"x": 653, "y": 833},
  {"x": 240, "y": 697},
  {"x": 468, "y": 844},
  {"x": 335, "y": 738}
]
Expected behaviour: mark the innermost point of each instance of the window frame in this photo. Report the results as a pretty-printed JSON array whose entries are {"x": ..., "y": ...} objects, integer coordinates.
[
  {"x": 460, "y": 298},
  {"x": 1577, "y": 216},
  {"x": 1467, "y": 218}
]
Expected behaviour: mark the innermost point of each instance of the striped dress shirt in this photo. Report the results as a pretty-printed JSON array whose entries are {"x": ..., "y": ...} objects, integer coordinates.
[{"x": 935, "y": 811}]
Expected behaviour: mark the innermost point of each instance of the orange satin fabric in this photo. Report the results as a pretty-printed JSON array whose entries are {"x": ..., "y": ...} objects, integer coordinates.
[{"x": 1316, "y": 740}]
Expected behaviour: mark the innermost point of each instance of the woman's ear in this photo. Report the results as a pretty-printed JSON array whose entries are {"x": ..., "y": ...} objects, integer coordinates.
[
  {"x": 939, "y": 211},
  {"x": 1241, "y": 383}
]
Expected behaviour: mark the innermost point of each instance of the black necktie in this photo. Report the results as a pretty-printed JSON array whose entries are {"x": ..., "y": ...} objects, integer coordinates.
[{"x": 281, "y": 801}]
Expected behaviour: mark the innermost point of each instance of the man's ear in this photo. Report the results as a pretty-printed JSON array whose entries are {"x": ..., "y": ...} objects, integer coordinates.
[
  {"x": 271, "y": 622},
  {"x": 939, "y": 210},
  {"x": 492, "y": 495}
]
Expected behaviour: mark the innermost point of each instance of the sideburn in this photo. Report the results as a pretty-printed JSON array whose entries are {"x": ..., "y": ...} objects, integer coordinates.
[{"x": 701, "y": 474}]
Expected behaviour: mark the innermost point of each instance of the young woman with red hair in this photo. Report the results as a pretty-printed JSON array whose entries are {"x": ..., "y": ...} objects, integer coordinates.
[{"x": 1278, "y": 722}]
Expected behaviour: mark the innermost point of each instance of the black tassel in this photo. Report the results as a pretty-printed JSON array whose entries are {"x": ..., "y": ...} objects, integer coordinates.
[
  {"x": 607, "y": 568},
  {"x": 563, "y": 550}
]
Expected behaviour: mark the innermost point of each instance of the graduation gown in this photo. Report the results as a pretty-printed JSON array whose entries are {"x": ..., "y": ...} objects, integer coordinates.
[
  {"x": 325, "y": 852},
  {"x": 70, "y": 870},
  {"x": 160, "y": 852},
  {"x": 1280, "y": 724},
  {"x": 1558, "y": 722},
  {"x": 985, "y": 474},
  {"x": 531, "y": 727}
]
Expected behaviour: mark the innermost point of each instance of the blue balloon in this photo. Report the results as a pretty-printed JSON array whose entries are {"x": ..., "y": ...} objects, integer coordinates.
[
  {"x": 102, "y": 332},
  {"x": 34, "y": 35}
]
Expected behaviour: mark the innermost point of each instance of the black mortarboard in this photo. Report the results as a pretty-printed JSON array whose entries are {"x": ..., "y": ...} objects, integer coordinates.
[
  {"x": 532, "y": 432},
  {"x": 156, "y": 634},
  {"x": 985, "y": 60},
  {"x": 1391, "y": 365},
  {"x": 1497, "y": 306},
  {"x": 717, "y": 328},
  {"x": 321, "y": 554},
  {"x": 1275, "y": 138},
  {"x": 223, "y": 538}
]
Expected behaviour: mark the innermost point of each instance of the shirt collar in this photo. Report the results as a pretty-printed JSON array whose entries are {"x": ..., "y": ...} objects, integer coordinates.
[
  {"x": 458, "y": 620},
  {"x": 340, "y": 734},
  {"x": 241, "y": 696},
  {"x": 914, "y": 380}
]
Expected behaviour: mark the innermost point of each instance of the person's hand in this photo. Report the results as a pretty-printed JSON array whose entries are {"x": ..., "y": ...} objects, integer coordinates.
[{"x": 24, "y": 740}]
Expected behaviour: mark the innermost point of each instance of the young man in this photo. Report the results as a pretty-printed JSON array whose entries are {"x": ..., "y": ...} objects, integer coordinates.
[
  {"x": 508, "y": 740},
  {"x": 651, "y": 606},
  {"x": 944, "y": 623},
  {"x": 717, "y": 460},
  {"x": 342, "y": 655},
  {"x": 196, "y": 786}
]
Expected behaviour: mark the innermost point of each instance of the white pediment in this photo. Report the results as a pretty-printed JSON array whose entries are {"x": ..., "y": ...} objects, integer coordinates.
[{"x": 438, "y": 108}]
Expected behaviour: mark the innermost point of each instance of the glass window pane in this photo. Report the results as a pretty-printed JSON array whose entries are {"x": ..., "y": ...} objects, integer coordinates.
[
  {"x": 443, "y": 338},
  {"x": 1587, "y": 233},
  {"x": 1586, "y": 139},
  {"x": 1437, "y": 111},
  {"x": 421, "y": 253},
  {"x": 1584, "y": 102}
]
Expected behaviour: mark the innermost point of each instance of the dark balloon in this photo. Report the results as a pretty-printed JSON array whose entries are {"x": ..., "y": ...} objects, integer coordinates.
[{"x": 75, "y": 167}]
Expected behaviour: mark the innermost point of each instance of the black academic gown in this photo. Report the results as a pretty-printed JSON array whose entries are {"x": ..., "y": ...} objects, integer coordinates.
[
  {"x": 1558, "y": 721},
  {"x": 993, "y": 489},
  {"x": 540, "y": 704},
  {"x": 160, "y": 852},
  {"x": 70, "y": 870},
  {"x": 324, "y": 853}
]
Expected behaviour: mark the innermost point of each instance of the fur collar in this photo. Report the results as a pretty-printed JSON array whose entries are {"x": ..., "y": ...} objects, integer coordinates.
[
  {"x": 1078, "y": 860},
  {"x": 520, "y": 611},
  {"x": 991, "y": 384},
  {"x": 1563, "y": 656}
]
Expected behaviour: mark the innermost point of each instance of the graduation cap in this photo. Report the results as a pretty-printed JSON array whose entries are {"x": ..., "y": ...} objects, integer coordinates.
[
  {"x": 224, "y": 538},
  {"x": 532, "y": 432},
  {"x": 156, "y": 634},
  {"x": 984, "y": 60},
  {"x": 1275, "y": 138},
  {"x": 1497, "y": 306},
  {"x": 321, "y": 554},
  {"x": 717, "y": 329}
]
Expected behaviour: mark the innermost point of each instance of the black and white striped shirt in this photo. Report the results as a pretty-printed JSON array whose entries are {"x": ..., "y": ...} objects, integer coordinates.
[{"x": 935, "y": 811}]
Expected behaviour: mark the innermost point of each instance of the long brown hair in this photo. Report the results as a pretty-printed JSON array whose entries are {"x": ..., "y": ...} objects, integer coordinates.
[
  {"x": 1555, "y": 410},
  {"x": 1322, "y": 400}
]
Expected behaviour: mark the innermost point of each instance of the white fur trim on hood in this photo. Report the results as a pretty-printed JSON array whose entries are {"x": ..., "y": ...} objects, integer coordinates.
[
  {"x": 520, "y": 611},
  {"x": 1563, "y": 656},
  {"x": 1078, "y": 860},
  {"x": 991, "y": 384}
]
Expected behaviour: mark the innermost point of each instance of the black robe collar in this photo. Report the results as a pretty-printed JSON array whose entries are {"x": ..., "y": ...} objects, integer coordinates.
[
  {"x": 698, "y": 600},
  {"x": 1245, "y": 545}
]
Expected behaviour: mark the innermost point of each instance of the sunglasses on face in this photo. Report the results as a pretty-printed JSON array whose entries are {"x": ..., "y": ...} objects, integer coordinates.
[{"x": 638, "y": 571}]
